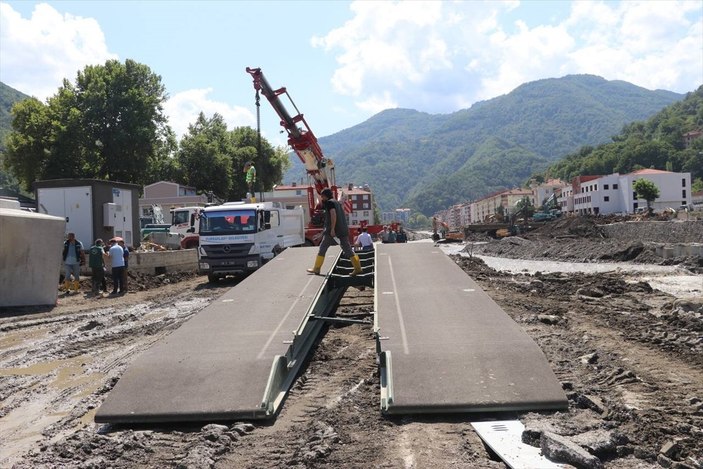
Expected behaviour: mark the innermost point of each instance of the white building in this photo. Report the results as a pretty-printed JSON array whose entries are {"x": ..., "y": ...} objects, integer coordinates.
[
  {"x": 168, "y": 195},
  {"x": 614, "y": 193}
]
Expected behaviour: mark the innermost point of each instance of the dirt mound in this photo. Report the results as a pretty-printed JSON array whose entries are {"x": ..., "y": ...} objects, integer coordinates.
[
  {"x": 582, "y": 227},
  {"x": 142, "y": 282}
]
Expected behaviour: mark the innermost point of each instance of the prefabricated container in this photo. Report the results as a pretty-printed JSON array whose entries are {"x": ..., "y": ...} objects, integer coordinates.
[
  {"x": 92, "y": 208},
  {"x": 30, "y": 257}
]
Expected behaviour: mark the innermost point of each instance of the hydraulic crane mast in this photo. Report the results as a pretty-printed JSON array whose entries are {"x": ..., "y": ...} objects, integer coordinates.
[{"x": 300, "y": 138}]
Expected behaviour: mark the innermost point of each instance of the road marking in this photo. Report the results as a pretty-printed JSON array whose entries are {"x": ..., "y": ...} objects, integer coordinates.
[
  {"x": 403, "y": 335},
  {"x": 469, "y": 289},
  {"x": 228, "y": 300},
  {"x": 283, "y": 320}
]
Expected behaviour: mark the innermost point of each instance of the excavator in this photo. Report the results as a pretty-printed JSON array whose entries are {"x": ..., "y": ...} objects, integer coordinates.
[{"x": 303, "y": 141}]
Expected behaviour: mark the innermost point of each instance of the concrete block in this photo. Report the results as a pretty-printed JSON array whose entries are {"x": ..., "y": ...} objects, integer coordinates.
[
  {"x": 561, "y": 449},
  {"x": 30, "y": 256},
  {"x": 599, "y": 442}
]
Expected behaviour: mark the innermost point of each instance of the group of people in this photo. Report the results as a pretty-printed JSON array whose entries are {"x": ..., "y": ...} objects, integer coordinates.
[
  {"x": 390, "y": 235},
  {"x": 74, "y": 257}
]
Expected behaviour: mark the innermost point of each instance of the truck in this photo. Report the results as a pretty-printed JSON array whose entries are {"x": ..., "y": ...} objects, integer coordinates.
[
  {"x": 184, "y": 222},
  {"x": 236, "y": 238},
  {"x": 320, "y": 169}
]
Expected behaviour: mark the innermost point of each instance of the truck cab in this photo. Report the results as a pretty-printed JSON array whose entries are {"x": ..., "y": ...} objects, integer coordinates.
[
  {"x": 184, "y": 222},
  {"x": 237, "y": 238}
]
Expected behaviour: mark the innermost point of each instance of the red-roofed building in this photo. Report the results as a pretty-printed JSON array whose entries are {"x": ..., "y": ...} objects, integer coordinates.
[
  {"x": 689, "y": 137},
  {"x": 361, "y": 199}
]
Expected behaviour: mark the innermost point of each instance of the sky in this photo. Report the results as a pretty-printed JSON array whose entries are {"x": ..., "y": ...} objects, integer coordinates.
[{"x": 342, "y": 62}]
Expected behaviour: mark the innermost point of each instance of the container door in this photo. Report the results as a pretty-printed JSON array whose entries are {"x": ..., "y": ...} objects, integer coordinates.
[
  {"x": 72, "y": 203},
  {"x": 123, "y": 222}
]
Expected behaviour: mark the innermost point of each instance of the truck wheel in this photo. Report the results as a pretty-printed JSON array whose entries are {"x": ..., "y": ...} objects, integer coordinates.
[{"x": 212, "y": 278}]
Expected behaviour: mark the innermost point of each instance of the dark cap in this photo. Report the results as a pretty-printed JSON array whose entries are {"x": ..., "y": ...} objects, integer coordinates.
[{"x": 327, "y": 192}]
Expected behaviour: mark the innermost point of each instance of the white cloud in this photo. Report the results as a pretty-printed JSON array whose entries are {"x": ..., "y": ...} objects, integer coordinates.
[
  {"x": 36, "y": 54},
  {"x": 183, "y": 109},
  {"x": 442, "y": 56}
]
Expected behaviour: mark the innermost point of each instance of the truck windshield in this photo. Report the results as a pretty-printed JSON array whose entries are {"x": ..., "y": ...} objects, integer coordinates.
[{"x": 227, "y": 222}]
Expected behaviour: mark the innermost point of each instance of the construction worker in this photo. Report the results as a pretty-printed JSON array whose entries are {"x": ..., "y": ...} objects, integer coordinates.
[
  {"x": 250, "y": 179},
  {"x": 73, "y": 258},
  {"x": 335, "y": 227}
]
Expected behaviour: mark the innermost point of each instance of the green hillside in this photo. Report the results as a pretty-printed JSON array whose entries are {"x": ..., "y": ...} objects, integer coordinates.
[
  {"x": 8, "y": 97},
  {"x": 428, "y": 162},
  {"x": 655, "y": 143}
]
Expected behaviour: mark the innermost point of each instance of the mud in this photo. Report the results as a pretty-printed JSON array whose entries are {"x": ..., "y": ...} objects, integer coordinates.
[{"x": 629, "y": 357}]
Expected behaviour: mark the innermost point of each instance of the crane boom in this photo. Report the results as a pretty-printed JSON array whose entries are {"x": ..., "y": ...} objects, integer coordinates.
[{"x": 300, "y": 136}]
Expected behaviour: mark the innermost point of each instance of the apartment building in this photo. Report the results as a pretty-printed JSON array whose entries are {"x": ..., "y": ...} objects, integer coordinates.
[
  {"x": 483, "y": 209},
  {"x": 546, "y": 190},
  {"x": 361, "y": 199},
  {"x": 614, "y": 193}
]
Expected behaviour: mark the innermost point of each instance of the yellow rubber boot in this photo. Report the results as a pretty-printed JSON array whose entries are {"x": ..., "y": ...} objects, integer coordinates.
[
  {"x": 66, "y": 285},
  {"x": 318, "y": 265},
  {"x": 357, "y": 265},
  {"x": 76, "y": 285}
]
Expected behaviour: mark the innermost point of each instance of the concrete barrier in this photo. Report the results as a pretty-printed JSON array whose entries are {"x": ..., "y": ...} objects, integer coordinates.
[
  {"x": 670, "y": 251},
  {"x": 158, "y": 262},
  {"x": 30, "y": 257},
  {"x": 154, "y": 262}
]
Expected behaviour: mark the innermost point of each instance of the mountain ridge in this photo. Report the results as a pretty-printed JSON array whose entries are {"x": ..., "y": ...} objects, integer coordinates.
[{"x": 429, "y": 161}]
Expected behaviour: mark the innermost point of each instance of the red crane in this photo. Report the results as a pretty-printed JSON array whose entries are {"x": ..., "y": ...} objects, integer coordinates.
[{"x": 300, "y": 138}]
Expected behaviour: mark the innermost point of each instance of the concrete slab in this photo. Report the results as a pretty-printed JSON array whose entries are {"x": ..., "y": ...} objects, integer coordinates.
[
  {"x": 447, "y": 346},
  {"x": 217, "y": 365}
]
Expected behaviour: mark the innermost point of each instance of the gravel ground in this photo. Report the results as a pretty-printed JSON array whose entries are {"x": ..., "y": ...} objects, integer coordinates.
[{"x": 629, "y": 357}]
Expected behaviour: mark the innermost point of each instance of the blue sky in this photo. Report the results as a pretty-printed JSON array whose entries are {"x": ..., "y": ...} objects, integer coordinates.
[{"x": 343, "y": 62}]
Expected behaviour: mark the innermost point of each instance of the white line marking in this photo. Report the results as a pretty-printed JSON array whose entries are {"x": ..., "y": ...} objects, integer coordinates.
[
  {"x": 228, "y": 300},
  {"x": 403, "y": 335},
  {"x": 469, "y": 289},
  {"x": 283, "y": 320},
  {"x": 387, "y": 293}
]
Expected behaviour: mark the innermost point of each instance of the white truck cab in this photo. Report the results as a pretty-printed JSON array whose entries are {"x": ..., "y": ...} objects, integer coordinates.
[{"x": 239, "y": 237}]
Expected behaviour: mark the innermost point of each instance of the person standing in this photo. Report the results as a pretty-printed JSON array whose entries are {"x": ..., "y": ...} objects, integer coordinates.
[
  {"x": 125, "y": 255},
  {"x": 73, "y": 258},
  {"x": 96, "y": 262},
  {"x": 250, "y": 179},
  {"x": 364, "y": 240},
  {"x": 335, "y": 227},
  {"x": 116, "y": 255}
]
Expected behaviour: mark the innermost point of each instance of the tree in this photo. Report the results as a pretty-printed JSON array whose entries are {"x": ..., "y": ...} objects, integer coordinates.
[
  {"x": 646, "y": 190},
  {"x": 26, "y": 153},
  {"x": 204, "y": 156},
  {"x": 271, "y": 163},
  {"x": 109, "y": 125},
  {"x": 211, "y": 158},
  {"x": 697, "y": 185}
]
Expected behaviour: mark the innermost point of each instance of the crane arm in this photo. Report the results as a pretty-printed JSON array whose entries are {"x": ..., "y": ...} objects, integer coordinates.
[{"x": 300, "y": 136}]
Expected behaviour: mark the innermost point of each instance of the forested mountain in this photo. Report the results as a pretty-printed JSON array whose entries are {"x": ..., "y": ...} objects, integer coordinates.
[
  {"x": 655, "y": 143},
  {"x": 8, "y": 97},
  {"x": 428, "y": 162}
]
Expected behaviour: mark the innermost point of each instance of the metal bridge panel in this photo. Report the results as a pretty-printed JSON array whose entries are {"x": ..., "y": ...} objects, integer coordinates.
[
  {"x": 453, "y": 348},
  {"x": 218, "y": 365}
]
